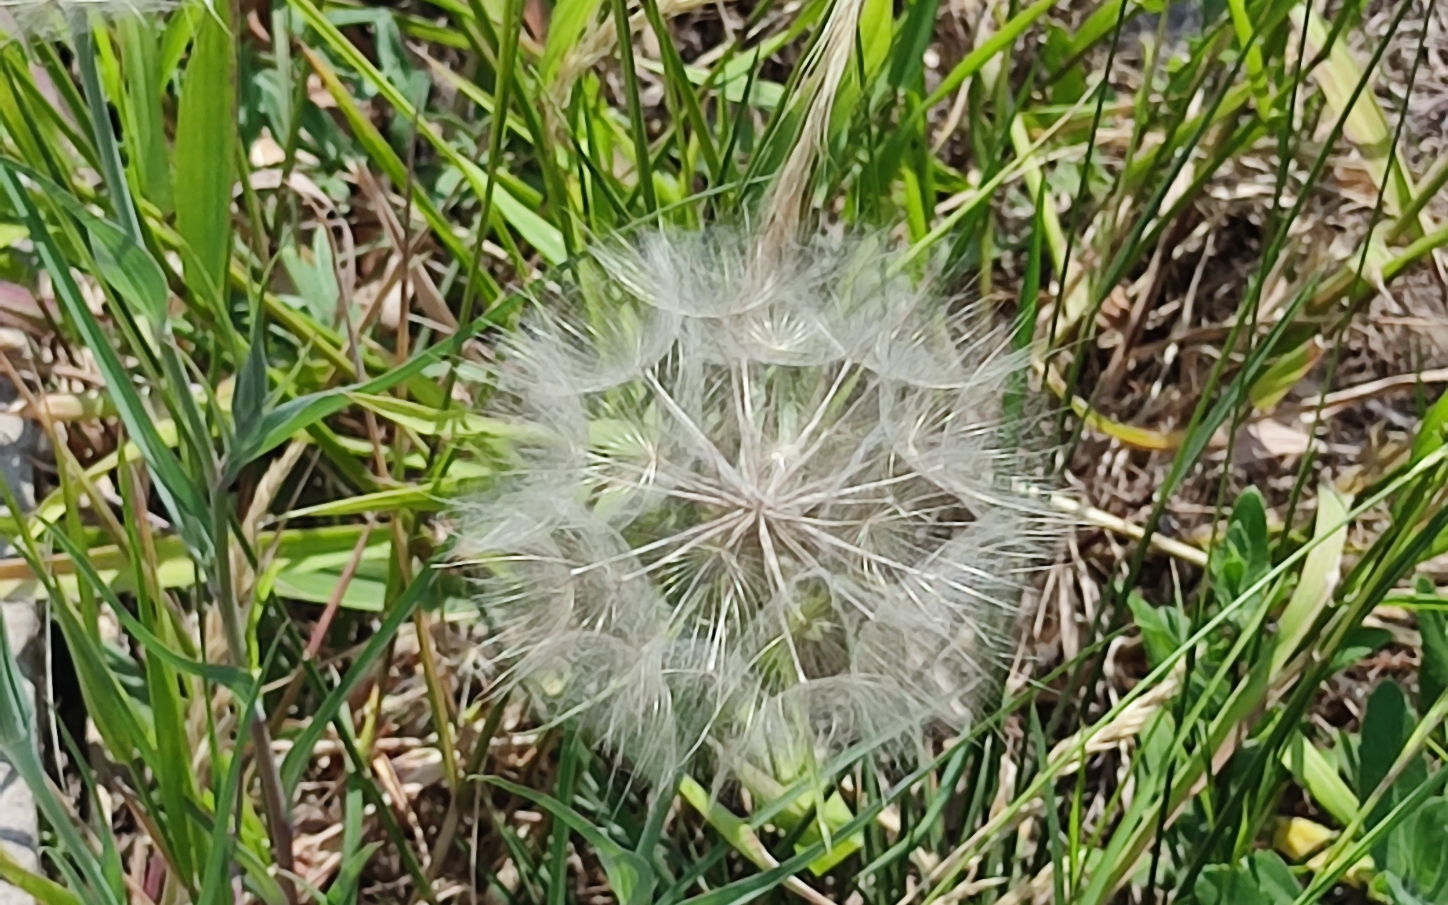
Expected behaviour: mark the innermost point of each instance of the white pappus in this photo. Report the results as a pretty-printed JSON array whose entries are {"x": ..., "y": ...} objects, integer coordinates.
[
  {"x": 756, "y": 504},
  {"x": 52, "y": 19}
]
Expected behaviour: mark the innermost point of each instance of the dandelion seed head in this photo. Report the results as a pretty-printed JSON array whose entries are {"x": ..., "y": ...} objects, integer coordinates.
[{"x": 757, "y": 498}]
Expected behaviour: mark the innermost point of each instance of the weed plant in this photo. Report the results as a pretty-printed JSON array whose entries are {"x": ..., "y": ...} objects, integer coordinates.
[{"x": 280, "y": 278}]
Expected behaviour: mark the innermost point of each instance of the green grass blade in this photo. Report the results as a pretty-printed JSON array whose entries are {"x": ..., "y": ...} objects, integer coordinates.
[
  {"x": 643, "y": 162},
  {"x": 182, "y": 497},
  {"x": 300, "y": 753},
  {"x": 145, "y": 119},
  {"x": 206, "y": 145},
  {"x": 630, "y": 876}
]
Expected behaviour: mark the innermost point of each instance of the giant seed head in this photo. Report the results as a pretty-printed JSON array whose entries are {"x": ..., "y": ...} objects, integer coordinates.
[{"x": 756, "y": 498}]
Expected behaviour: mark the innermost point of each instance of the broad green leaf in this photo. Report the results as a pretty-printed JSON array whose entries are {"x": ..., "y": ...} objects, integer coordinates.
[
  {"x": 1244, "y": 555},
  {"x": 450, "y": 422},
  {"x": 1388, "y": 722},
  {"x": 411, "y": 499},
  {"x": 735, "y": 831},
  {"x": 565, "y": 26},
  {"x": 1359, "y": 643},
  {"x": 206, "y": 143},
  {"x": 1163, "y": 628},
  {"x": 1311, "y": 768},
  {"x": 1318, "y": 578},
  {"x": 145, "y": 130},
  {"x": 1418, "y": 855},
  {"x": 315, "y": 277},
  {"x": 1264, "y": 880},
  {"x": 362, "y": 594}
]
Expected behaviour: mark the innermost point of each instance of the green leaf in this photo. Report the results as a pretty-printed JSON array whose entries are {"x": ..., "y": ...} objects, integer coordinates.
[
  {"x": 429, "y": 421},
  {"x": 1431, "y": 434},
  {"x": 314, "y": 276},
  {"x": 145, "y": 129},
  {"x": 409, "y": 498},
  {"x": 301, "y": 751},
  {"x": 1400, "y": 892},
  {"x": 318, "y": 586},
  {"x": 1319, "y": 577},
  {"x": 18, "y": 747},
  {"x": 1265, "y": 879},
  {"x": 1418, "y": 853},
  {"x": 344, "y": 889},
  {"x": 1244, "y": 556},
  {"x": 1099, "y": 24},
  {"x": 735, "y": 831},
  {"x": 1284, "y": 373},
  {"x": 1433, "y": 628},
  {"x": 629, "y": 875},
  {"x": 92, "y": 49},
  {"x": 1360, "y": 643},
  {"x": 180, "y": 495},
  {"x": 1163, "y": 628},
  {"x": 163, "y": 691},
  {"x": 229, "y": 676},
  {"x": 911, "y": 40},
  {"x": 124, "y": 264},
  {"x": 224, "y": 848},
  {"x": 1388, "y": 722},
  {"x": 565, "y": 26},
  {"x": 249, "y": 399},
  {"x": 1311, "y": 768},
  {"x": 114, "y": 707},
  {"x": 281, "y": 423},
  {"x": 129, "y": 268},
  {"x": 539, "y": 233},
  {"x": 42, "y": 889},
  {"x": 180, "y": 29},
  {"x": 908, "y": 128},
  {"x": 643, "y": 163},
  {"x": 386, "y": 159},
  {"x": 206, "y": 145}
]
